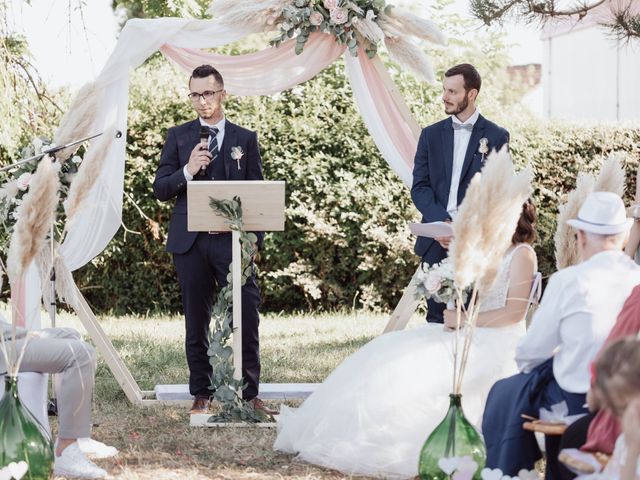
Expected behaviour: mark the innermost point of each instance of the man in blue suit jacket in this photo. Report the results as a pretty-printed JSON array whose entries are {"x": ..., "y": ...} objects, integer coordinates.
[
  {"x": 202, "y": 259},
  {"x": 449, "y": 154}
]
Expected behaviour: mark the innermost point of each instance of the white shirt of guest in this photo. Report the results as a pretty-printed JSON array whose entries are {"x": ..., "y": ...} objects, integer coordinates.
[
  {"x": 579, "y": 307},
  {"x": 460, "y": 143},
  {"x": 220, "y": 137}
]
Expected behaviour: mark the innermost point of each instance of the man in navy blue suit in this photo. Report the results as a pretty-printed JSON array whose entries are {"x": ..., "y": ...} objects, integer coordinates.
[
  {"x": 201, "y": 150},
  {"x": 449, "y": 154}
]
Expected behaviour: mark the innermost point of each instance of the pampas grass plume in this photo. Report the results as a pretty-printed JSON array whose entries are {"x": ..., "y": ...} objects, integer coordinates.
[
  {"x": 257, "y": 15},
  {"x": 89, "y": 171},
  {"x": 78, "y": 120},
  {"x": 411, "y": 57},
  {"x": 487, "y": 219},
  {"x": 565, "y": 238},
  {"x": 612, "y": 176},
  {"x": 418, "y": 27},
  {"x": 36, "y": 214}
]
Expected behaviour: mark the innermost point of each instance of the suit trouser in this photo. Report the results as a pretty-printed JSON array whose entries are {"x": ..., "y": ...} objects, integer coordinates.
[
  {"x": 202, "y": 270},
  {"x": 62, "y": 351},
  {"x": 435, "y": 310}
]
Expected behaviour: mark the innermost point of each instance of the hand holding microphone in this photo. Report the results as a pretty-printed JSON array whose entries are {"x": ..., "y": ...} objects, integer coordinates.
[{"x": 200, "y": 156}]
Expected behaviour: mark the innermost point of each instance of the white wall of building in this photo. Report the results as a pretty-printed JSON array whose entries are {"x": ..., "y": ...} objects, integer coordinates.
[{"x": 589, "y": 76}]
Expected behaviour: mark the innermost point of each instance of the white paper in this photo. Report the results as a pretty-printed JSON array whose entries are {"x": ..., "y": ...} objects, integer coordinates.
[{"x": 431, "y": 230}]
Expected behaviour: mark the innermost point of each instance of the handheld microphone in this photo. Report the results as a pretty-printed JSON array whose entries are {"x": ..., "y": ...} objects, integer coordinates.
[{"x": 204, "y": 137}]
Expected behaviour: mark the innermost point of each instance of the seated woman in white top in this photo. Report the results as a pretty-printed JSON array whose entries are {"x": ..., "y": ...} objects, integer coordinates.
[{"x": 374, "y": 412}]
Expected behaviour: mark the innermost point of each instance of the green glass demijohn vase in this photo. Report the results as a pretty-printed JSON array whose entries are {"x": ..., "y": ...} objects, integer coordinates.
[
  {"x": 454, "y": 437},
  {"x": 22, "y": 438}
]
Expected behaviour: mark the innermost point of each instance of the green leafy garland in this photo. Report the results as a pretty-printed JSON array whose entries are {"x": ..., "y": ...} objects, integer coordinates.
[{"x": 225, "y": 388}]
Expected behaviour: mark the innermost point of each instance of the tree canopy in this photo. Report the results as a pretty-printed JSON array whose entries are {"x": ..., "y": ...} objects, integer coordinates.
[{"x": 624, "y": 21}]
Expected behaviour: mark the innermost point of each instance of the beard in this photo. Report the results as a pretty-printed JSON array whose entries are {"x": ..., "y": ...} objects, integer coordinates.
[{"x": 459, "y": 107}]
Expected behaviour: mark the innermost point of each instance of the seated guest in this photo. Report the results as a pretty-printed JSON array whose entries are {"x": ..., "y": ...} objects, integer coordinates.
[
  {"x": 62, "y": 351},
  {"x": 599, "y": 431},
  {"x": 617, "y": 384},
  {"x": 576, "y": 314}
]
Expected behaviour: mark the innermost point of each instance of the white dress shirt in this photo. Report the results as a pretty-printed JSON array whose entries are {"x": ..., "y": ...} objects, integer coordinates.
[
  {"x": 460, "y": 143},
  {"x": 580, "y": 306},
  {"x": 220, "y": 136}
]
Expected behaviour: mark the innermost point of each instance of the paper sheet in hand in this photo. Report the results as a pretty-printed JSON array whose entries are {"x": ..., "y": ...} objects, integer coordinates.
[{"x": 431, "y": 230}]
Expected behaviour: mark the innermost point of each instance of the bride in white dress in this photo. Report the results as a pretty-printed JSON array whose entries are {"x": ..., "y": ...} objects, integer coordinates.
[{"x": 374, "y": 412}]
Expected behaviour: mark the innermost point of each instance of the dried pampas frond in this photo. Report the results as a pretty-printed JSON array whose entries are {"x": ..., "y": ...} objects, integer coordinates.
[
  {"x": 612, "y": 176},
  {"x": 65, "y": 285},
  {"x": 411, "y": 57},
  {"x": 90, "y": 169},
  {"x": 411, "y": 24},
  {"x": 77, "y": 122},
  {"x": 36, "y": 214},
  {"x": 565, "y": 238},
  {"x": 368, "y": 28},
  {"x": 487, "y": 219},
  {"x": 257, "y": 16}
]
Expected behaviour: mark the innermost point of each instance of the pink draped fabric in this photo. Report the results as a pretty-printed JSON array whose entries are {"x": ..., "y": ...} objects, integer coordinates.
[
  {"x": 401, "y": 127},
  {"x": 265, "y": 72}
]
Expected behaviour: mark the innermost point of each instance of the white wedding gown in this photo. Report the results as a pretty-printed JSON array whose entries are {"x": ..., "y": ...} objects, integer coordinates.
[{"x": 374, "y": 412}]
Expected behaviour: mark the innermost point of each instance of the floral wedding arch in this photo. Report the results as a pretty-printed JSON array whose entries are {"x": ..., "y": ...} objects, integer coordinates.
[{"x": 311, "y": 35}]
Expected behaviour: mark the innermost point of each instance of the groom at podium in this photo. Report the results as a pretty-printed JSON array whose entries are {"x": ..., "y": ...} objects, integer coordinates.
[
  {"x": 449, "y": 154},
  {"x": 209, "y": 148}
]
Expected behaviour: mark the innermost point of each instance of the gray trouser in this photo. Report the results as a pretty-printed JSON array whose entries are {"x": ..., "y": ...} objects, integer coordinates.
[{"x": 62, "y": 351}]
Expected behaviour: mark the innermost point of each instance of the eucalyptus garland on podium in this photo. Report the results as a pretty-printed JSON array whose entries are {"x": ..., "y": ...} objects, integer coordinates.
[{"x": 226, "y": 389}]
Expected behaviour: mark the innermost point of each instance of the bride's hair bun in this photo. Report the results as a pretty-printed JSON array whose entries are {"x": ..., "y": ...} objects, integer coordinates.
[{"x": 526, "y": 228}]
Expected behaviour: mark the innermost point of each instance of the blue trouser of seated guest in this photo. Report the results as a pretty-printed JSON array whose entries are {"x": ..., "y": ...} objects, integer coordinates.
[{"x": 511, "y": 448}]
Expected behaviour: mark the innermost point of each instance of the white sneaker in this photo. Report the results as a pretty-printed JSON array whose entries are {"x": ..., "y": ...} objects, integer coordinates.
[
  {"x": 95, "y": 449},
  {"x": 73, "y": 463}
]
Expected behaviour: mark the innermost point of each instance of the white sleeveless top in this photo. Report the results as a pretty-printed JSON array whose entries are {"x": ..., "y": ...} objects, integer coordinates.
[{"x": 496, "y": 297}]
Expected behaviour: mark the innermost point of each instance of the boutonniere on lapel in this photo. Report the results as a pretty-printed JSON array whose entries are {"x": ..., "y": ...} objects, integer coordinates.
[
  {"x": 237, "y": 153},
  {"x": 483, "y": 148}
]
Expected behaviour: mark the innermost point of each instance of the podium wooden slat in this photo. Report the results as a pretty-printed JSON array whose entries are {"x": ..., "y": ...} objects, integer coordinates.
[{"x": 262, "y": 205}]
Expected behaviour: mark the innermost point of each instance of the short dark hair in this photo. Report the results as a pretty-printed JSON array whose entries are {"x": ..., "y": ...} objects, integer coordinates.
[
  {"x": 526, "y": 228},
  {"x": 203, "y": 71},
  {"x": 469, "y": 73}
]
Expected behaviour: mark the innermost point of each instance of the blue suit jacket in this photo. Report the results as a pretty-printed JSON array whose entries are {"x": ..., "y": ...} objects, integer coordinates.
[
  {"x": 432, "y": 174},
  {"x": 171, "y": 183}
]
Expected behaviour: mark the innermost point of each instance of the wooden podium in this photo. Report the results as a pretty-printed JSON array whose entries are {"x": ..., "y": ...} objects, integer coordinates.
[{"x": 262, "y": 211}]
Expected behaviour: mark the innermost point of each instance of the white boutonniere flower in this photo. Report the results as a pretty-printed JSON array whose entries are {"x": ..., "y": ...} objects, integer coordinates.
[
  {"x": 237, "y": 153},
  {"x": 483, "y": 148}
]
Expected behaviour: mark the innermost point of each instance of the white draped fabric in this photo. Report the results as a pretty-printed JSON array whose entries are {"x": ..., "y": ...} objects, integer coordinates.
[{"x": 267, "y": 72}]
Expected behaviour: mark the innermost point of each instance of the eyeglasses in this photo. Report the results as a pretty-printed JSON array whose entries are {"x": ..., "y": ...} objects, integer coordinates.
[{"x": 206, "y": 95}]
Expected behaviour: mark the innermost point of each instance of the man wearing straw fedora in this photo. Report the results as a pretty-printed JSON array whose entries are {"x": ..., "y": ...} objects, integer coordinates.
[
  {"x": 449, "y": 154},
  {"x": 579, "y": 308}
]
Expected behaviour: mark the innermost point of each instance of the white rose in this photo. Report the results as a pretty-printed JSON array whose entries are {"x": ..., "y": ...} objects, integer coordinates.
[
  {"x": 433, "y": 282},
  {"x": 316, "y": 19},
  {"x": 339, "y": 16},
  {"x": 23, "y": 181},
  {"x": 330, "y": 4}
]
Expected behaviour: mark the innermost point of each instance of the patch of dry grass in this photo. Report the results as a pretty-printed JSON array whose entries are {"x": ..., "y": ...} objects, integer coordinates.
[{"x": 158, "y": 443}]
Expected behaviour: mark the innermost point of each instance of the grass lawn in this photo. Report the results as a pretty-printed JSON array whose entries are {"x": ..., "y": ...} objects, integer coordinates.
[{"x": 157, "y": 442}]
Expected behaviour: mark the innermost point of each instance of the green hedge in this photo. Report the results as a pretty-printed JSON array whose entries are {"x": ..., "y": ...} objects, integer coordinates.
[{"x": 346, "y": 242}]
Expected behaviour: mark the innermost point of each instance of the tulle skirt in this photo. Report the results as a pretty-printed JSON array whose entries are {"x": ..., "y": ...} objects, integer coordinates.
[{"x": 374, "y": 412}]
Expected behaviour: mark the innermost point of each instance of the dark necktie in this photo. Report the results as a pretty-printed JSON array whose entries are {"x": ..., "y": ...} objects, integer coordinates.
[
  {"x": 213, "y": 145},
  {"x": 462, "y": 126}
]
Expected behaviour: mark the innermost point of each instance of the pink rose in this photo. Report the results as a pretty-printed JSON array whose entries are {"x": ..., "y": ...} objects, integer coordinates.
[
  {"x": 316, "y": 19},
  {"x": 433, "y": 282},
  {"x": 330, "y": 4},
  {"x": 339, "y": 16},
  {"x": 23, "y": 181}
]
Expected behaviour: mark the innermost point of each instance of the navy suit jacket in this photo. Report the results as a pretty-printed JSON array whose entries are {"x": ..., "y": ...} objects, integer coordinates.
[
  {"x": 171, "y": 183},
  {"x": 432, "y": 174}
]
